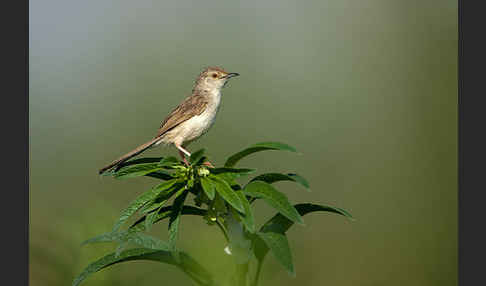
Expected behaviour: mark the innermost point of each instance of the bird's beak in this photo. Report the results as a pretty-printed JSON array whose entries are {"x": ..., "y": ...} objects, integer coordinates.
[{"x": 230, "y": 75}]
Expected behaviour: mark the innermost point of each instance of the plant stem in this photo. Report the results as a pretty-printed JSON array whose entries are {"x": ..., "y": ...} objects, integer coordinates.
[
  {"x": 257, "y": 274},
  {"x": 223, "y": 229}
]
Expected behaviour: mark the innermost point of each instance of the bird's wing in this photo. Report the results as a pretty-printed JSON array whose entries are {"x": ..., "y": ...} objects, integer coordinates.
[{"x": 191, "y": 106}]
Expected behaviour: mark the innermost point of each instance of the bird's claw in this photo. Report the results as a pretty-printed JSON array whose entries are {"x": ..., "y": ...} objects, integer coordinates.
[{"x": 208, "y": 164}]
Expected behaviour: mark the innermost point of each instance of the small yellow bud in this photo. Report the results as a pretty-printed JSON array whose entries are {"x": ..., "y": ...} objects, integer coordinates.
[{"x": 203, "y": 172}]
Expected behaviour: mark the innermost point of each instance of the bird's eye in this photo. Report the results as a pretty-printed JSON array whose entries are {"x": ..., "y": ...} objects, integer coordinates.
[{"x": 215, "y": 75}]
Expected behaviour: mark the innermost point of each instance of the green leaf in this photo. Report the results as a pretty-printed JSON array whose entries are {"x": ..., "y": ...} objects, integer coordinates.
[
  {"x": 150, "y": 219},
  {"x": 158, "y": 202},
  {"x": 277, "y": 177},
  {"x": 122, "y": 246},
  {"x": 139, "y": 161},
  {"x": 219, "y": 205},
  {"x": 175, "y": 217},
  {"x": 160, "y": 175},
  {"x": 105, "y": 237},
  {"x": 130, "y": 236},
  {"x": 227, "y": 193},
  {"x": 230, "y": 179},
  {"x": 195, "y": 156},
  {"x": 232, "y": 160},
  {"x": 299, "y": 179},
  {"x": 141, "y": 200},
  {"x": 164, "y": 213},
  {"x": 137, "y": 170},
  {"x": 169, "y": 162},
  {"x": 276, "y": 199},
  {"x": 234, "y": 171},
  {"x": 153, "y": 205},
  {"x": 230, "y": 174},
  {"x": 162, "y": 198},
  {"x": 248, "y": 219},
  {"x": 280, "y": 224},
  {"x": 147, "y": 241},
  {"x": 208, "y": 187},
  {"x": 131, "y": 163},
  {"x": 279, "y": 246},
  {"x": 186, "y": 264},
  {"x": 239, "y": 242}
]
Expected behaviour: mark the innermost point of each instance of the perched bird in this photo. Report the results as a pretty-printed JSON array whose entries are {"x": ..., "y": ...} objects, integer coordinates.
[{"x": 191, "y": 119}]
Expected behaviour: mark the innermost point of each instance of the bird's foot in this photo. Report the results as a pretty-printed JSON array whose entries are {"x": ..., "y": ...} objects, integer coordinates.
[
  {"x": 181, "y": 153},
  {"x": 208, "y": 164},
  {"x": 185, "y": 161}
]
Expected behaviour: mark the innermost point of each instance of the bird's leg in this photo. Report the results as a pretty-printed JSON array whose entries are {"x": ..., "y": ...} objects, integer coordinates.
[
  {"x": 183, "y": 151},
  {"x": 184, "y": 158}
]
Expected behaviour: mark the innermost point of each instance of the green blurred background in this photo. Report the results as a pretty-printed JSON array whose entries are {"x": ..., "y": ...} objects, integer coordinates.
[{"x": 366, "y": 90}]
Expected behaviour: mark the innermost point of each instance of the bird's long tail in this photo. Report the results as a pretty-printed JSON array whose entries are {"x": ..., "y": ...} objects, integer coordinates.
[{"x": 130, "y": 154}]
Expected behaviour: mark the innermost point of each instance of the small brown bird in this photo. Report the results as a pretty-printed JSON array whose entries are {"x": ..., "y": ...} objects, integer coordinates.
[{"x": 191, "y": 119}]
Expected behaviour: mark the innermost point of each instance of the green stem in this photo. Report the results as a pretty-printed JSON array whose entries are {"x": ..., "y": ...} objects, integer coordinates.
[
  {"x": 223, "y": 229},
  {"x": 257, "y": 274},
  {"x": 237, "y": 239}
]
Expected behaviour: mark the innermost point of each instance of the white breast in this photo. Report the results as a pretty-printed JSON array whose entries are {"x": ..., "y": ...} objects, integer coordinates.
[{"x": 198, "y": 125}]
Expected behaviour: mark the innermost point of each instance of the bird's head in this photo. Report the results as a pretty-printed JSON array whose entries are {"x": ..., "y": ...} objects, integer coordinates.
[{"x": 213, "y": 78}]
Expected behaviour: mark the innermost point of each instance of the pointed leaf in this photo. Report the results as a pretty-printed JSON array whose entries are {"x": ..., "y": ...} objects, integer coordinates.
[
  {"x": 140, "y": 201},
  {"x": 175, "y": 217},
  {"x": 279, "y": 246},
  {"x": 140, "y": 161},
  {"x": 162, "y": 198},
  {"x": 150, "y": 219},
  {"x": 137, "y": 170},
  {"x": 227, "y": 193},
  {"x": 208, "y": 187},
  {"x": 219, "y": 205},
  {"x": 164, "y": 213},
  {"x": 232, "y": 160},
  {"x": 127, "y": 236},
  {"x": 248, "y": 219},
  {"x": 154, "y": 204},
  {"x": 147, "y": 241},
  {"x": 113, "y": 171},
  {"x": 187, "y": 264},
  {"x": 158, "y": 202},
  {"x": 105, "y": 237},
  {"x": 169, "y": 162},
  {"x": 122, "y": 246},
  {"x": 280, "y": 224},
  {"x": 230, "y": 179},
  {"x": 236, "y": 172},
  {"x": 277, "y": 177},
  {"x": 230, "y": 174},
  {"x": 299, "y": 179},
  {"x": 130, "y": 236},
  {"x": 239, "y": 243},
  {"x": 276, "y": 199},
  {"x": 160, "y": 175}
]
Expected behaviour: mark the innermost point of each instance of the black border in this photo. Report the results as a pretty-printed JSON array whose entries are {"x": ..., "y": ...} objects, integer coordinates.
[
  {"x": 472, "y": 143},
  {"x": 15, "y": 143}
]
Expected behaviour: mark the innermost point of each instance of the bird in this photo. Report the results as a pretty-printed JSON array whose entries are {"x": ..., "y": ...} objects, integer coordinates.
[{"x": 191, "y": 119}]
